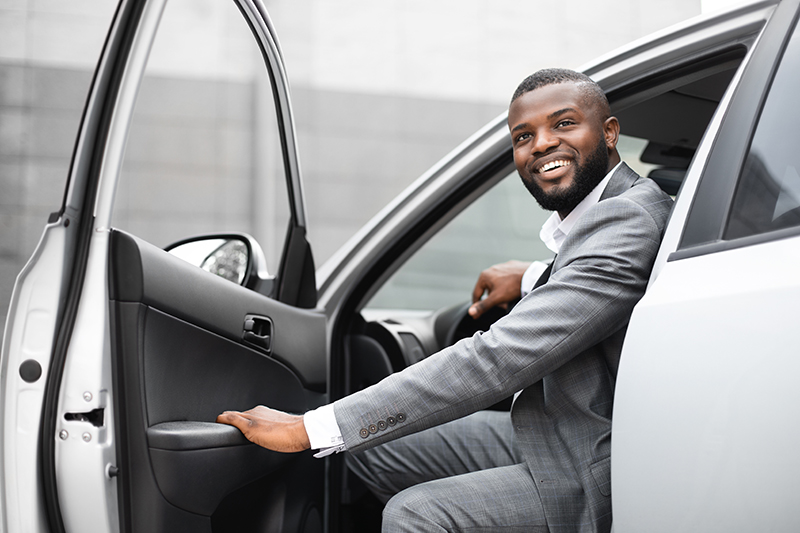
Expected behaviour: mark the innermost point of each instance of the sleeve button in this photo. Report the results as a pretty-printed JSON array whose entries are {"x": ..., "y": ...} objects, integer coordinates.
[
  {"x": 401, "y": 417},
  {"x": 372, "y": 428},
  {"x": 391, "y": 420},
  {"x": 364, "y": 433},
  {"x": 382, "y": 425}
]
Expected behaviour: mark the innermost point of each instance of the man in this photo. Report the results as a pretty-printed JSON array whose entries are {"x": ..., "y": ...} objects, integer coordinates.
[{"x": 546, "y": 467}]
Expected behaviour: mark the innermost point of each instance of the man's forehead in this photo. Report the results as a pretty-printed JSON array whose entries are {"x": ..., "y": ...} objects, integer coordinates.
[{"x": 549, "y": 98}]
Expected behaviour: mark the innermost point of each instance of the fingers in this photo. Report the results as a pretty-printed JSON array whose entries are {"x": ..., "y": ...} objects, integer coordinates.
[
  {"x": 226, "y": 417},
  {"x": 492, "y": 299},
  {"x": 234, "y": 418},
  {"x": 481, "y": 286}
]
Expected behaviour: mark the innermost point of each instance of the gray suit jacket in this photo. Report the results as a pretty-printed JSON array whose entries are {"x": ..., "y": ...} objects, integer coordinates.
[{"x": 561, "y": 344}]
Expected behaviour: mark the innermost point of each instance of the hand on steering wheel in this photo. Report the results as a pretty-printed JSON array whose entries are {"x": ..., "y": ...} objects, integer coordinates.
[{"x": 501, "y": 283}]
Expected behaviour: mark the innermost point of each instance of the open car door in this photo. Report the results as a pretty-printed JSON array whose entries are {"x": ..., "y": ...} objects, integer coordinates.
[{"x": 119, "y": 355}]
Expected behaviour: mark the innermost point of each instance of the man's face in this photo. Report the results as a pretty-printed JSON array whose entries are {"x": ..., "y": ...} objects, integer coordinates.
[{"x": 561, "y": 145}]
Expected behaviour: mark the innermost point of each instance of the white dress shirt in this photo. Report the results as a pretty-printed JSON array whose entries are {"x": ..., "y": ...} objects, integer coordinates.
[{"x": 323, "y": 431}]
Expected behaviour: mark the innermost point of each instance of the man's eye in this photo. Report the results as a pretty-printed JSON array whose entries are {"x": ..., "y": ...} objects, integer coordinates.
[
  {"x": 564, "y": 123},
  {"x": 522, "y": 137}
]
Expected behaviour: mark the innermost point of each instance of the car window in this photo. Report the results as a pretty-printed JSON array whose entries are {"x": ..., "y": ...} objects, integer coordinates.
[
  {"x": 203, "y": 153},
  {"x": 502, "y": 224},
  {"x": 767, "y": 195}
]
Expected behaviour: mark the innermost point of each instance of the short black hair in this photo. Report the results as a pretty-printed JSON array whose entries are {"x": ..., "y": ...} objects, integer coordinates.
[{"x": 592, "y": 93}]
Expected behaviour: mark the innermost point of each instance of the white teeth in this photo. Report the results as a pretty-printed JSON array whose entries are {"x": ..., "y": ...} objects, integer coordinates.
[{"x": 554, "y": 164}]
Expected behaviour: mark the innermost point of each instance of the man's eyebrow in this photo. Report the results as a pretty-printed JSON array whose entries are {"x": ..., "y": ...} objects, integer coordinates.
[
  {"x": 519, "y": 127},
  {"x": 560, "y": 112}
]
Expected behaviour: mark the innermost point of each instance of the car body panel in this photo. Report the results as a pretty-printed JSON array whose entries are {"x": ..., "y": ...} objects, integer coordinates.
[
  {"x": 30, "y": 329},
  {"x": 703, "y": 408}
]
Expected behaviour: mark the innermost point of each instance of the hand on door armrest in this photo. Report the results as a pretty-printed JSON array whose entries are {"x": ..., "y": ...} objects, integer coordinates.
[{"x": 271, "y": 429}]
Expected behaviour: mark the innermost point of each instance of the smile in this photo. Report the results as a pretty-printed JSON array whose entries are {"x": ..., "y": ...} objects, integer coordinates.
[{"x": 553, "y": 165}]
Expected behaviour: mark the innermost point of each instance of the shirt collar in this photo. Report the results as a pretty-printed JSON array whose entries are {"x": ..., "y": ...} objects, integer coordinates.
[{"x": 555, "y": 230}]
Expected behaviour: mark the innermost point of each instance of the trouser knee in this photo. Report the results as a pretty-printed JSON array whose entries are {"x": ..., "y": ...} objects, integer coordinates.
[
  {"x": 409, "y": 511},
  {"x": 360, "y": 465}
]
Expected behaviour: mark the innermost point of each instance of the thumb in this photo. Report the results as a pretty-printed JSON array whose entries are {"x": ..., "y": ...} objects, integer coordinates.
[
  {"x": 492, "y": 299},
  {"x": 475, "y": 310}
]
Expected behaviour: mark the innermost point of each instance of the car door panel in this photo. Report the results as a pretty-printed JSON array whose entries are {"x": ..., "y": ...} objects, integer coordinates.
[
  {"x": 179, "y": 360},
  {"x": 144, "y": 273}
]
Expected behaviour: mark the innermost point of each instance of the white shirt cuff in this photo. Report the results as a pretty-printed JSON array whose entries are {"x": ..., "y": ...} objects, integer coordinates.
[
  {"x": 530, "y": 277},
  {"x": 323, "y": 431}
]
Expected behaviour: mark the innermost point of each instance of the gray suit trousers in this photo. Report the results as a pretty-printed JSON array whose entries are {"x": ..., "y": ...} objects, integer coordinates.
[{"x": 460, "y": 476}]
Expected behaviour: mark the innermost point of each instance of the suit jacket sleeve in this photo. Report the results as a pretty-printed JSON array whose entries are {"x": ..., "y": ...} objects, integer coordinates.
[{"x": 599, "y": 275}]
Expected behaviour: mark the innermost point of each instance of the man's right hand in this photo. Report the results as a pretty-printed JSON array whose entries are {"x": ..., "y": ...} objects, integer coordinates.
[
  {"x": 501, "y": 283},
  {"x": 271, "y": 429}
]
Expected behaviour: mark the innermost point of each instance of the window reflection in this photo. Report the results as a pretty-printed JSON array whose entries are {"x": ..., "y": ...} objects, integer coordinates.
[{"x": 768, "y": 194}]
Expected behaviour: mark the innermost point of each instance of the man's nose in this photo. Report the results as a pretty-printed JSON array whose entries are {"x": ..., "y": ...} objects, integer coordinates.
[{"x": 544, "y": 141}]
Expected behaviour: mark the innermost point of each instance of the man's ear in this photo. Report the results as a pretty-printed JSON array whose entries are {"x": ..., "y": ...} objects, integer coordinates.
[{"x": 611, "y": 132}]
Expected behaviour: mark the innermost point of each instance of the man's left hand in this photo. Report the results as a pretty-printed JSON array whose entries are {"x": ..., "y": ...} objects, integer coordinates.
[
  {"x": 501, "y": 283},
  {"x": 271, "y": 429}
]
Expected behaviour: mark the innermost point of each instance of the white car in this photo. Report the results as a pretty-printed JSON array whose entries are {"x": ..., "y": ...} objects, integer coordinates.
[{"x": 118, "y": 355}]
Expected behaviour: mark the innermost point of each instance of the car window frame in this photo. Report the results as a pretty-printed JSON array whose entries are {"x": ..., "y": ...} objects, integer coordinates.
[{"x": 710, "y": 209}]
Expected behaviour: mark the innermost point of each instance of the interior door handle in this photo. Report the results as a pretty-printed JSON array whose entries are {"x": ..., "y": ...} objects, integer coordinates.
[{"x": 258, "y": 332}]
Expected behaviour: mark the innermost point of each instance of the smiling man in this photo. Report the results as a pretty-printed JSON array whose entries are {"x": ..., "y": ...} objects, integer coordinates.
[{"x": 546, "y": 467}]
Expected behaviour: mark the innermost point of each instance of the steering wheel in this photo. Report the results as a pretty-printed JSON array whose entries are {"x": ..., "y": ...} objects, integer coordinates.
[{"x": 454, "y": 323}]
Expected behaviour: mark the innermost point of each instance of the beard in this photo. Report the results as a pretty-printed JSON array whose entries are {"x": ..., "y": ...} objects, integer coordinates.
[{"x": 586, "y": 178}]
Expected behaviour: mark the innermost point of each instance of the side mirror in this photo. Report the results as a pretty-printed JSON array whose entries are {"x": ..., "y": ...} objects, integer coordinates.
[{"x": 236, "y": 257}]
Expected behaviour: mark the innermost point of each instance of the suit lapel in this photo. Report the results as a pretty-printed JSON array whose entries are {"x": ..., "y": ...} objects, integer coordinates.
[
  {"x": 545, "y": 275},
  {"x": 622, "y": 180}
]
